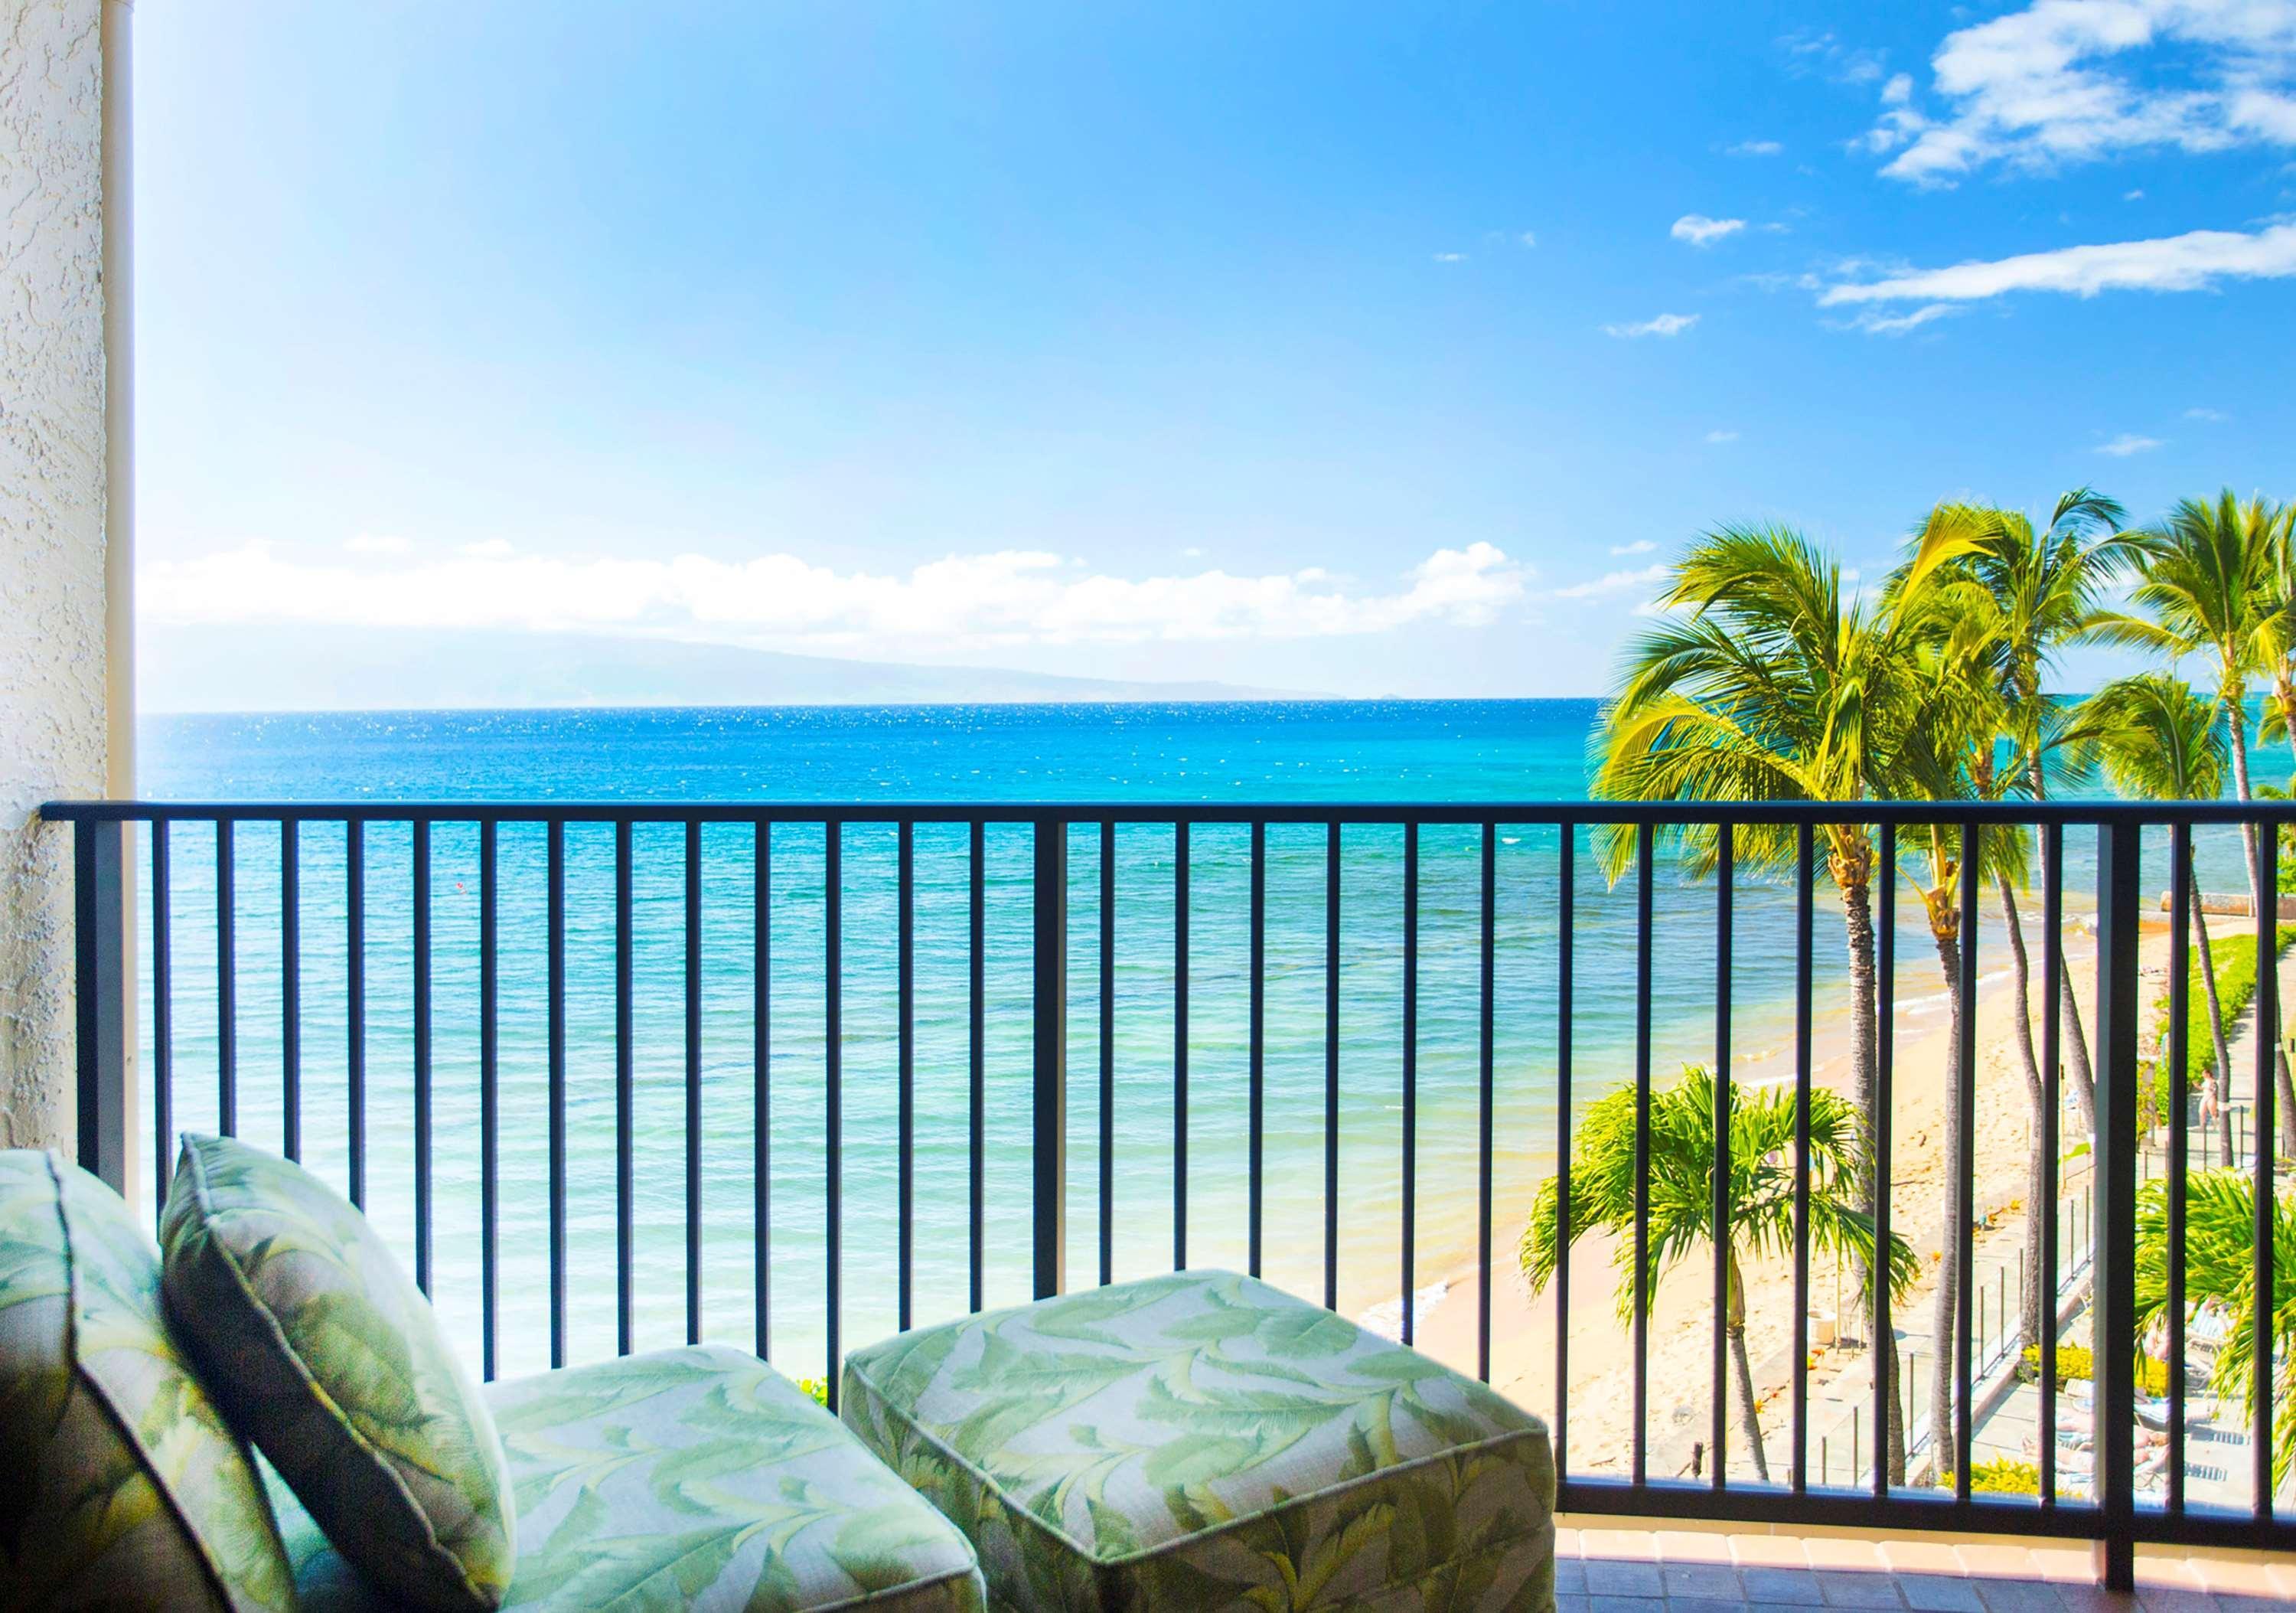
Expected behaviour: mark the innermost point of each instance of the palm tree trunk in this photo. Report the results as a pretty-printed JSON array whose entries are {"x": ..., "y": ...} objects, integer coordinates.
[
  {"x": 2039, "y": 1173},
  {"x": 2216, "y": 1029},
  {"x": 1858, "y": 918},
  {"x": 1944, "y": 1326},
  {"x": 1749, "y": 1425},
  {"x": 2078, "y": 1074},
  {"x": 2266, "y": 907}
]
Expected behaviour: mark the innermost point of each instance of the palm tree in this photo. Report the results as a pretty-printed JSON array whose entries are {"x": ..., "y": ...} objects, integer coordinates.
[
  {"x": 2044, "y": 591},
  {"x": 1759, "y": 1191},
  {"x": 2157, "y": 740},
  {"x": 2213, "y": 584},
  {"x": 1946, "y": 759},
  {"x": 2219, "y": 1267},
  {"x": 1770, "y": 683}
]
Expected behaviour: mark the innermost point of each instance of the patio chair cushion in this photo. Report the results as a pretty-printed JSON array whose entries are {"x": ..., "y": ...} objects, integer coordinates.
[
  {"x": 1203, "y": 1440},
  {"x": 125, "y": 1487},
  {"x": 694, "y": 1477},
  {"x": 322, "y": 1352}
]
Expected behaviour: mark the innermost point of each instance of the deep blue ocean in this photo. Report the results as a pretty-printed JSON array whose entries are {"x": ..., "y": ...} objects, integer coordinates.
[{"x": 1465, "y": 751}]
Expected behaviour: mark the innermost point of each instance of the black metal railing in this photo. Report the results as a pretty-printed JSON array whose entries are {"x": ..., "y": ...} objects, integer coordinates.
[{"x": 111, "y": 1110}]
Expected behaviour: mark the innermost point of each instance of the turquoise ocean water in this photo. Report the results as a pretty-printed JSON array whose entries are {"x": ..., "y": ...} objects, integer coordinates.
[{"x": 1324, "y": 751}]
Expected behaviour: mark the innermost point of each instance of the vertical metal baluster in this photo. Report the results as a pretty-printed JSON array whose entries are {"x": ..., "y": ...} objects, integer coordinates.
[
  {"x": 1645, "y": 869},
  {"x": 1805, "y": 900},
  {"x": 1884, "y": 1347},
  {"x": 1566, "y": 906},
  {"x": 625, "y": 1096},
  {"x": 2111, "y": 1233},
  {"x": 555, "y": 923},
  {"x": 1410, "y": 1075},
  {"x": 226, "y": 984},
  {"x": 2267, "y": 1039},
  {"x": 1964, "y": 1230},
  {"x": 291, "y": 989},
  {"x": 489, "y": 1105},
  {"x": 977, "y": 1138},
  {"x": 421, "y": 834},
  {"x": 1048, "y": 1059},
  {"x": 905, "y": 1077},
  {"x": 2169, "y": 1085},
  {"x": 761, "y": 1072},
  {"x": 1107, "y": 1052},
  {"x": 1331, "y": 1066},
  {"x": 1487, "y": 1074},
  {"x": 692, "y": 1081},
  {"x": 833, "y": 1091},
  {"x": 355, "y": 993},
  {"x": 1256, "y": 1138},
  {"x": 2052, "y": 926},
  {"x": 1719, "y": 1206},
  {"x": 163, "y": 1023},
  {"x": 1180, "y": 1047}
]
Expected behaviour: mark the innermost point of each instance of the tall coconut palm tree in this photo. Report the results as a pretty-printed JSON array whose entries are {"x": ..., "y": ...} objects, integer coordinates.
[
  {"x": 1769, "y": 682},
  {"x": 2019, "y": 596},
  {"x": 2219, "y": 1267},
  {"x": 2046, "y": 590},
  {"x": 2157, "y": 740},
  {"x": 2212, "y": 584},
  {"x": 1759, "y": 1193}
]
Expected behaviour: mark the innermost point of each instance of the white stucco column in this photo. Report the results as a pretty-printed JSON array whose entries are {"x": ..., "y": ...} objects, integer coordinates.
[{"x": 66, "y": 668}]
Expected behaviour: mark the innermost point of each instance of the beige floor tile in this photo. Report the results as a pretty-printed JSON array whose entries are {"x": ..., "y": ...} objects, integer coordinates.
[
  {"x": 1921, "y": 1556},
  {"x": 2230, "y": 1577},
  {"x": 1993, "y": 1562},
  {"x": 2067, "y": 1565},
  {"x": 2169, "y": 1573},
  {"x": 1688, "y": 1545},
  {"x": 1768, "y": 1552},
  {"x": 1844, "y": 1551},
  {"x": 1638, "y": 1544}
]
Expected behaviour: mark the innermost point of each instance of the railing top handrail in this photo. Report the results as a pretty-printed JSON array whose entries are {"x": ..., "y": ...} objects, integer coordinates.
[{"x": 1660, "y": 814}]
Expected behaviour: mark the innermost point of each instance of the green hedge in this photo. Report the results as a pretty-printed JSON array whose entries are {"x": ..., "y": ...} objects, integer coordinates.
[{"x": 2236, "y": 985}]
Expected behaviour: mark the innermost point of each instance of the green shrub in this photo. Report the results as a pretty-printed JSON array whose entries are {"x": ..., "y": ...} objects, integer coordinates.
[
  {"x": 2076, "y": 1365},
  {"x": 2004, "y": 1476},
  {"x": 2236, "y": 985}
]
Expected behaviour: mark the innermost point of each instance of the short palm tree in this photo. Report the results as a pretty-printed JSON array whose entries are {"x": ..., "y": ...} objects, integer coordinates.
[
  {"x": 2157, "y": 740},
  {"x": 2213, "y": 583},
  {"x": 1771, "y": 682},
  {"x": 2220, "y": 1266},
  {"x": 1759, "y": 1191}
]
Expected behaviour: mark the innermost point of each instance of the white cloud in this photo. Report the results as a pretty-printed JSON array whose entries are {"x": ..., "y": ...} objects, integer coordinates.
[
  {"x": 1640, "y": 546},
  {"x": 1450, "y": 257},
  {"x": 2217, "y": 415},
  {"x": 2065, "y": 81},
  {"x": 1699, "y": 230},
  {"x": 1754, "y": 148},
  {"x": 1721, "y": 436},
  {"x": 489, "y": 548},
  {"x": 1899, "y": 90},
  {"x": 1873, "y": 321},
  {"x": 1808, "y": 53},
  {"x": 961, "y": 602},
  {"x": 371, "y": 543},
  {"x": 2170, "y": 263},
  {"x": 2134, "y": 195},
  {"x": 1664, "y": 325},
  {"x": 2127, "y": 443},
  {"x": 1611, "y": 582},
  {"x": 1529, "y": 238}
]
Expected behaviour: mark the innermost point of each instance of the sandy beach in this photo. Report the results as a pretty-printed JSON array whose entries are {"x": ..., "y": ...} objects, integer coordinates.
[{"x": 1680, "y": 1330}]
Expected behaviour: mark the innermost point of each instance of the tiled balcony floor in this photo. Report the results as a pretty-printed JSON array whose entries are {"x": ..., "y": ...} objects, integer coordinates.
[{"x": 1611, "y": 1570}]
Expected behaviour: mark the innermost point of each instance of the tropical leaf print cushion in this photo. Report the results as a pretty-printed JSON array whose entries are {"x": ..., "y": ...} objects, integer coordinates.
[
  {"x": 325, "y": 1355},
  {"x": 1205, "y": 1441},
  {"x": 696, "y": 1478},
  {"x": 124, "y": 1487}
]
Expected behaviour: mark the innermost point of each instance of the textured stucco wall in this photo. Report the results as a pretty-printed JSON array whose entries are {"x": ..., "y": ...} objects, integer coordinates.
[{"x": 52, "y": 532}]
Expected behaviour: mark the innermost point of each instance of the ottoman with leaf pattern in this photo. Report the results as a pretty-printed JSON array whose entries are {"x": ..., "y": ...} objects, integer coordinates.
[{"x": 1204, "y": 1441}]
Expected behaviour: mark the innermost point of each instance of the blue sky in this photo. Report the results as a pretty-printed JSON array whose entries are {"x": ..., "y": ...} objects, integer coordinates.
[{"x": 1363, "y": 349}]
